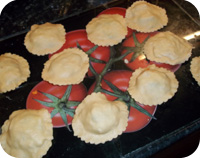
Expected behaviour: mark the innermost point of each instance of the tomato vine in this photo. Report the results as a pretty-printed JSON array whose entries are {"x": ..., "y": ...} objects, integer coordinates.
[{"x": 123, "y": 96}]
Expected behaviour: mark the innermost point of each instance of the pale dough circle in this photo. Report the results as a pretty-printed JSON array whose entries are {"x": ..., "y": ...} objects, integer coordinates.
[
  {"x": 107, "y": 29},
  {"x": 152, "y": 85},
  {"x": 98, "y": 120},
  {"x": 45, "y": 38},
  {"x": 67, "y": 67},
  {"x": 145, "y": 17},
  {"x": 14, "y": 70},
  {"x": 166, "y": 47},
  {"x": 27, "y": 133},
  {"x": 195, "y": 69}
]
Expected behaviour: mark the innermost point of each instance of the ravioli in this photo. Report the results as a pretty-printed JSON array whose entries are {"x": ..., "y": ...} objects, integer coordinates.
[
  {"x": 166, "y": 47},
  {"x": 45, "y": 38},
  {"x": 98, "y": 120},
  {"x": 107, "y": 29},
  {"x": 195, "y": 69},
  {"x": 67, "y": 67},
  {"x": 27, "y": 133},
  {"x": 152, "y": 85},
  {"x": 145, "y": 17},
  {"x": 14, "y": 70}
]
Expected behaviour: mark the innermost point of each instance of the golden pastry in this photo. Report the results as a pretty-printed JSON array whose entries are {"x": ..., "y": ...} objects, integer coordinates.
[
  {"x": 195, "y": 69},
  {"x": 145, "y": 17},
  {"x": 67, "y": 67},
  {"x": 166, "y": 47},
  {"x": 152, "y": 85},
  {"x": 98, "y": 120},
  {"x": 107, "y": 29},
  {"x": 14, "y": 70},
  {"x": 27, "y": 133},
  {"x": 45, "y": 38}
]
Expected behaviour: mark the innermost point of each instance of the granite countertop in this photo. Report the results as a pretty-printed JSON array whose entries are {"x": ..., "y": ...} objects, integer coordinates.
[
  {"x": 175, "y": 119},
  {"x": 19, "y": 15}
]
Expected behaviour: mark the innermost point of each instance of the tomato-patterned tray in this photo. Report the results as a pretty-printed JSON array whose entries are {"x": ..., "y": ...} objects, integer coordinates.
[{"x": 175, "y": 119}]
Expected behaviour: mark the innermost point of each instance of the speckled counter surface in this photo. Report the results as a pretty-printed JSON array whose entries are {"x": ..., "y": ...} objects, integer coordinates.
[
  {"x": 19, "y": 15},
  {"x": 176, "y": 119}
]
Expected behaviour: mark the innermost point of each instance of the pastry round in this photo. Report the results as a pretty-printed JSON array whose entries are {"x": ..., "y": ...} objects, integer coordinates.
[
  {"x": 145, "y": 17},
  {"x": 14, "y": 70},
  {"x": 166, "y": 47},
  {"x": 107, "y": 29},
  {"x": 27, "y": 133},
  {"x": 98, "y": 120},
  {"x": 152, "y": 85},
  {"x": 195, "y": 69},
  {"x": 45, "y": 38},
  {"x": 67, "y": 67}
]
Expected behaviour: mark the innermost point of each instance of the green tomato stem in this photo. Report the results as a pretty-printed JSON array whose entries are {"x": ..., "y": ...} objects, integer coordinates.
[
  {"x": 125, "y": 97},
  {"x": 112, "y": 60}
]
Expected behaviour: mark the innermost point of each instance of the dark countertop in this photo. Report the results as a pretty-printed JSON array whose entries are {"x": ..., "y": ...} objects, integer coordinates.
[
  {"x": 176, "y": 119},
  {"x": 19, "y": 15}
]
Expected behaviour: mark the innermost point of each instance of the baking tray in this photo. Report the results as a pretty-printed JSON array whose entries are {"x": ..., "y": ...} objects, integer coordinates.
[{"x": 176, "y": 118}]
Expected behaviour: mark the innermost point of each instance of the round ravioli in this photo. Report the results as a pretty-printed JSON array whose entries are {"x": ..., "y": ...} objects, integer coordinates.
[
  {"x": 98, "y": 120},
  {"x": 14, "y": 70},
  {"x": 152, "y": 85},
  {"x": 166, "y": 47},
  {"x": 67, "y": 67},
  {"x": 45, "y": 38},
  {"x": 195, "y": 69},
  {"x": 27, "y": 133},
  {"x": 145, "y": 17},
  {"x": 107, "y": 29}
]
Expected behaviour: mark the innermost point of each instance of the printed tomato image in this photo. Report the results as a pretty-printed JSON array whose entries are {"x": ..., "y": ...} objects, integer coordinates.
[
  {"x": 78, "y": 38},
  {"x": 120, "y": 11},
  {"x": 136, "y": 59},
  {"x": 60, "y": 101},
  {"x": 120, "y": 78}
]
